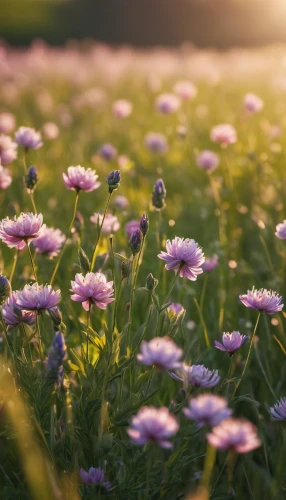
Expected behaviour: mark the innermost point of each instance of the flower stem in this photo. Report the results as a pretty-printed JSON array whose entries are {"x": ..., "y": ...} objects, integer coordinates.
[
  {"x": 33, "y": 202},
  {"x": 32, "y": 261},
  {"x": 202, "y": 299},
  {"x": 208, "y": 467},
  {"x": 203, "y": 323},
  {"x": 99, "y": 233},
  {"x": 87, "y": 328},
  {"x": 116, "y": 305},
  {"x": 13, "y": 266},
  {"x": 135, "y": 271},
  {"x": 173, "y": 284}
]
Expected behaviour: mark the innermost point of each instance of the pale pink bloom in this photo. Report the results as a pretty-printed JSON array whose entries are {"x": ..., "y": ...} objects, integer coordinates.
[
  {"x": 207, "y": 160},
  {"x": 28, "y": 137},
  {"x": 5, "y": 178},
  {"x": 110, "y": 225},
  {"x": 153, "y": 425},
  {"x": 122, "y": 108},
  {"x": 49, "y": 242},
  {"x": 196, "y": 375},
  {"x": 131, "y": 226},
  {"x": 207, "y": 409},
  {"x": 37, "y": 297},
  {"x": 231, "y": 342},
  {"x": 185, "y": 89},
  {"x": 185, "y": 253},
  {"x": 161, "y": 352},
  {"x": 262, "y": 300},
  {"x": 78, "y": 178},
  {"x": 156, "y": 142},
  {"x": 50, "y": 131},
  {"x": 167, "y": 103},
  {"x": 210, "y": 263},
  {"x": 7, "y": 123},
  {"x": 224, "y": 134},
  {"x": 281, "y": 230},
  {"x": 253, "y": 103},
  {"x": 8, "y": 150},
  {"x": 93, "y": 288},
  {"x": 18, "y": 231},
  {"x": 234, "y": 434},
  {"x": 13, "y": 315}
]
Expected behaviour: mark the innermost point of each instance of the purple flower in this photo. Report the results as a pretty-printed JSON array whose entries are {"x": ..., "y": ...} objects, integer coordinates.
[
  {"x": 113, "y": 180},
  {"x": 175, "y": 308},
  {"x": 28, "y": 138},
  {"x": 131, "y": 226},
  {"x": 262, "y": 300},
  {"x": 153, "y": 425},
  {"x": 224, "y": 134},
  {"x": 110, "y": 225},
  {"x": 207, "y": 409},
  {"x": 93, "y": 288},
  {"x": 94, "y": 476},
  {"x": 5, "y": 289},
  {"x": 234, "y": 434},
  {"x": 156, "y": 143},
  {"x": 49, "y": 242},
  {"x": 185, "y": 90},
  {"x": 161, "y": 352},
  {"x": 8, "y": 150},
  {"x": 207, "y": 160},
  {"x": 13, "y": 315},
  {"x": 135, "y": 241},
  {"x": 278, "y": 412},
  {"x": 210, "y": 263},
  {"x": 167, "y": 103},
  {"x": 120, "y": 202},
  {"x": 281, "y": 230},
  {"x": 7, "y": 123},
  {"x": 38, "y": 297},
  {"x": 184, "y": 254},
  {"x": 5, "y": 178},
  {"x": 159, "y": 194},
  {"x": 122, "y": 108},
  {"x": 57, "y": 355},
  {"x": 18, "y": 231},
  {"x": 196, "y": 375},
  {"x": 253, "y": 103},
  {"x": 31, "y": 179},
  {"x": 231, "y": 342},
  {"x": 78, "y": 178},
  {"x": 107, "y": 151},
  {"x": 144, "y": 224}
]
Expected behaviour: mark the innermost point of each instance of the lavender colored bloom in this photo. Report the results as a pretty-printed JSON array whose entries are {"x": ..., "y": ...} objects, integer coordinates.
[
  {"x": 281, "y": 230},
  {"x": 122, "y": 108},
  {"x": 153, "y": 425},
  {"x": 234, "y": 434},
  {"x": 5, "y": 289},
  {"x": 93, "y": 288},
  {"x": 183, "y": 254},
  {"x": 78, "y": 178},
  {"x": 135, "y": 241},
  {"x": 13, "y": 315},
  {"x": 161, "y": 352},
  {"x": 18, "y": 231},
  {"x": 110, "y": 225},
  {"x": 120, "y": 202},
  {"x": 5, "y": 178},
  {"x": 196, "y": 375},
  {"x": 159, "y": 194},
  {"x": 224, "y": 134},
  {"x": 49, "y": 242},
  {"x": 131, "y": 226},
  {"x": 253, "y": 103},
  {"x": 113, "y": 180},
  {"x": 156, "y": 143},
  {"x": 31, "y": 179},
  {"x": 94, "y": 476},
  {"x": 207, "y": 160},
  {"x": 57, "y": 355},
  {"x": 210, "y": 263},
  {"x": 262, "y": 300},
  {"x": 167, "y": 103},
  {"x": 207, "y": 409},
  {"x": 278, "y": 411},
  {"x": 50, "y": 131},
  {"x": 28, "y": 137},
  {"x": 8, "y": 150},
  {"x": 37, "y": 297},
  {"x": 144, "y": 224},
  {"x": 231, "y": 342},
  {"x": 175, "y": 308},
  {"x": 185, "y": 90},
  {"x": 7, "y": 123},
  {"x": 107, "y": 151}
]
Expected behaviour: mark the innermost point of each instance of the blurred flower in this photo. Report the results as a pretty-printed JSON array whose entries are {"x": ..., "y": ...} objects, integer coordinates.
[
  {"x": 135, "y": 241},
  {"x": 278, "y": 411},
  {"x": 113, "y": 180},
  {"x": 5, "y": 289},
  {"x": 94, "y": 476},
  {"x": 131, "y": 226},
  {"x": 156, "y": 143},
  {"x": 31, "y": 179},
  {"x": 253, "y": 103},
  {"x": 107, "y": 151},
  {"x": 122, "y": 108},
  {"x": 185, "y": 90},
  {"x": 79, "y": 178},
  {"x": 262, "y": 300},
  {"x": 5, "y": 178},
  {"x": 38, "y": 297},
  {"x": 28, "y": 137},
  {"x": 167, "y": 103},
  {"x": 120, "y": 202},
  {"x": 144, "y": 224},
  {"x": 183, "y": 254},
  {"x": 7, "y": 123},
  {"x": 161, "y": 352},
  {"x": 231, "y": 342},
  {"x": 110, "y": 225},
  {"x": 93, "y": 288},
  {"x": 196, "y": 375},
  {"x": 207, "y": 160},
  {"x": 57, "y": 355},
  {"x": 8, "y": 150},
  {"x": 159, "y": 194},
  {"x": 281, "y": 230},
  {"x": 234, "y": 434},
  {"x": 175, "y": 308},
  {"x": 207, "y": 409},
  {"x": 224, "y": 134},
  {"x": 50, "y": 131},
  {"x": 153, "y": 425},
  {"x": 49, "y": 242},
  {"x": 13, "y": 315},
  {"x": 16, "y": 232},
  {"x": 210, "y": 263}
]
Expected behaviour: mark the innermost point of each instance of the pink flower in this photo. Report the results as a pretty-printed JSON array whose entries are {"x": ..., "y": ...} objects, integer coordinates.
[
  {"x": 28, "y": 137},
  {"x": 224, "y": 134},
  {"x": 281, "y": 230},
  {"x": 185, "y": 90},
  {"x": 196, "y": 375},
  {"x": 210, "y": 263},
  {"x": 231, "y": 342},
  {"x": 78, "y": 178},
  {"x": 234, "y": 434},
  {"x": 156, "y": 143},
  {"x": 153, "y": 425},
  {"x": 161, "y": 352},
  {"x": 7, "y": 123},
  {"x": 175, "y": 308},
  {"x": 13, "y": 315},
  {"x": 94, "y": 476},
  {"x": 207, "y": 409},
  {"x": 262, "y": 300},
  {"x": 253, "y": 103},
  {"x": 50, "y": 131},
  {"x": 110, "y": 225},
  {"x": 167, "y": 103},
  {"x": 5, "y": 178},
  {"x": 120, "y": 202},
  {"x": 184, "y": 253},
  {"x": 92, "y": 288},
  {"x": 8, "y": 150},
  {"x": 18, "y": 231},
  {"x": 49, "y": 242},
  {"x": 131, "y": 226},
  {"x": 207, "y": 160},
  {"x": 107, "y": 151},
  {"x": 122, "y": 108},
  {"x": 38, "y": 297}
]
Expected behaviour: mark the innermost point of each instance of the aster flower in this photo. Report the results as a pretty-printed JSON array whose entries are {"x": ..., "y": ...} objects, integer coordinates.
[
  {"x": 5, "y": 178},
  {"x": 210, "y": 263},
  {"x": 13, "y": 315},
  {"x": 167, "y": 103},
  {"x": 161, "y": 352},
  {"x": 278, "y": 411},
  {"x": 49, "y": 242},
  {"x": 156, "y": 143},
  {"x": 196, "y": 375},
  {"x": 185, "y": 89},
  {"x": 262, "y": 300},
  {"x": 281, "y": 230},
  {"x": 107, "y": 151},
  {"x": 57, "y": 355},
  {"x": 8, "y": 150},
  {"x": 207, "y": 160},
  {"x": 153, "y": 425},
  {"x": 110, "y": 224},
  {"x": 252, "y": 103},
  {"x": 231, "y": 342},
  {"x": 207, "y": 409},
  {"x": 93, "y": 288},
  {"x": 234, "y": 434},
  {"x": 28, "y": 137},
  {"x": 18, "y": 231},
  {"x": 7, "y": 123},
  {"x": 131, "y": 226},
  {"x": 175, "y": 308},
  {"x": 183, "y": 254},
  {"x": 159, "y": 195},
  {"x": 122, "y": 108},
  {"x": 78, "y": 178},
  {"x": 37, "y": 297},
  {"x": 224, "y": 134},
  {"x": 94, "y": 476}
]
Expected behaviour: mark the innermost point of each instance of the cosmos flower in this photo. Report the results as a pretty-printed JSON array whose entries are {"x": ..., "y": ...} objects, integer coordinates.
[
  {"x": 262, "y": 300},
  {"x": 93, "y": 288},
  {"x": 161, "y": 352},
  {"x": 185, "y": 89},
  {"x": 281, "y": 230},
  {"x": 224, "y": 134},
  {"x": 110, "y": 224},
  {"x": 156, "y": 143},
  {"x": 210, "y": 263},
  {"x": 5, "y": 178},
  {"x": 16, "y": 232},
  {"x": 28, "y": 137},
  {"x": 122, "y": 108},
  {"x": 196, "y": 375},
  {"x": 252, "y": 103},
  {"x": 107, "y": 151},
  {"x": 207, "y": 160},
  {"x": 278, "y": 411},
  {"x": 207, "y": 409},
  {"x": 7, "y": 123},
  {"x": 8, "y": 150},
  {"x": 153, "y": 425},
  {"x": 234, "y": 434},
  {"x": 13, "y": 315},
  {"x": 94, "y": 476},
  {"x": 78, "y": 178},
  {"x": 183, "y": 254},
  {"x": 37, "y": 297},
  {"x": 231, "y": 342},
  {"x": 167, "y": 103},
  {"x": 49, "y": 242},
  {"x": 131, "y": 226}
]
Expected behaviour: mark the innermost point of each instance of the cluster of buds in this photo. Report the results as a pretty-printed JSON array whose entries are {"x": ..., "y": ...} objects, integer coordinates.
[{"x": 137, "y": 236}]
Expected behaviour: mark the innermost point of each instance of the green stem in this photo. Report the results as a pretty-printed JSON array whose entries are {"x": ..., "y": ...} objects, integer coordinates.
[
  {"x": 116, "y": 305},
  {"x": 29, "y": 346},
  {"x": 32, "y": 261},
  {"x": 172, "y": 285},
  {"x": 208, "y": 467},
  {"x": 204, "y": 291},
  {"x": 99, "y": 233},
  {"x": 87, "y": 328},
  {"x": 33, "y": 202},
  {"x": 13, "y": 266},
  {"x": 38, "y": 331},
  {"x": 206, "y": 335}
]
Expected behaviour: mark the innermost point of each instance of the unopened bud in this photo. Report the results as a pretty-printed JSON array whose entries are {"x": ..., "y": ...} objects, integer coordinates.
[
  {"x": 151, "y": 282},
  {"x": 126, "y": 269},
  {"x": 31, "y": 179},
  {"x": 56, "y": 316},
  {"x": 5, "y": 289},
  {"x": 159, "y": 195},
  {"x": 113, "y": 180},
  {"x": 135, "y": 241},
  {"x": 144, "y": 224},
  {"x": 83, "y": 260}
]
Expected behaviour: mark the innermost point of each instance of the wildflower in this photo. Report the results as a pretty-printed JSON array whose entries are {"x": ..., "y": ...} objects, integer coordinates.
[
  {"x": 153, "y": 425},
  {"x": 49, "y": 242},
  {"x": 207, "y": 160},
  {"x": 231, "y": 342},
  {"x": 207, "y": 409},
  {"x": 144, "y": 224},
  {"x": 120, "y": 202},
  {"x": 135, "y": 241},
  {"x": 5, "y": 289},
  {"x": 234, "y": 434},
  {"x": 78, "y": 178},
  {"x": 151, "y": 282},
  {"x": 183, "y": 255},
  {"x": 278, "y": 411},
  {"x": 13, "y": 315},
  {"x": 167, "y": 103},
  {"x": 224, "y": 134},
  {"x": 161, "y": 352},
  {"x": 107, "y": 151},
  {"x": 185, "y": 90},
  {"x": 37, "y": 297},
  {"x": 56, "y": 316},
  {"x": 262, "y": 300},
  {"x": 156, "y": 143},
  {"x": 281, "y": 230},
  {"x": 7, "y": 123},
  {"x": 93, "y": 288},
  {"x": 210, "y": 263},
  {"x": 8, "y": 150},
  {"x": 57, "y": 355},
  {"x": 253, "y": 103},
  {"x": 31, "y": 179},
  {"x": 5, "y": 178},
  {"x": 18, "y": 231},
  {"x": 94, "y": 476},
  {"x": 196, "y": 375},
  {"x": 113, "y": 180},
  {"x": 28, "y": 137},
  {"x": 50, "y": 131},
  {"x": 175, "y": 308},
  {"x": 122, "y": 108},
  {"x": 110, "y": 224},
  {"x": 159, "y": 194},
  {"x": 131, "y": 226}
]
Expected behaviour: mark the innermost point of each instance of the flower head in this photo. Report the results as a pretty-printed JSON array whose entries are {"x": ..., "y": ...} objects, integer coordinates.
[
  {"x": 207, "y": 409},
  {"x": 161, "y": 352},
  {"x": 28, "y": 138},
  {"x": 8, "y": 150},
  {"x": 185, "y": 89},
  {"x": 183, "y": 254},
  {"x": 278, "y": 411},
  {"x": 31, "y": 179},
  {"x": 167, "y": 103},
  {"x": 16, "y": 232},
  {"x": 234, "y": 434},
  {"x": 5, "y": 178},
  {"x": 153, "y": 425},
  {"x": 94, "y": 476},
  {"x": 210, "y": 263},
  {"x": 135, "y": 241},
  {"x": 78, "y": 178},
  {"x": 13, "y": 315},
  {"x": 122, "y": 108},
  {"x": 224, "y": 134},
  {"x": 131, "y": 226},
  {"x": 49, "y": 242},
  {"x": 57, "y": 355},
  {"x": 93, "y": 288},
  {"x": 207, "y": 160},
  {"x": 159, "y": 194},
  {"x": 231, "y": 342},
  {"x": 38, "y": 297},
  {"x": 120, "y": 202},
  {"x": 7, "y": 123},
  {"x": 175, "y": 308},
  {"x": 110, "y": 224},
  {"x": 281, "y": 230},
  {"x": 196, "y": 375},
  {"x": 156, "y": 143},
  {"x": 253, "y": 103},
  {"x": 113, "y": 180},
  {"x": 262, "y": 300},
  {"x": 5, "y": 289},
  {"x": 107, "y": 151}
]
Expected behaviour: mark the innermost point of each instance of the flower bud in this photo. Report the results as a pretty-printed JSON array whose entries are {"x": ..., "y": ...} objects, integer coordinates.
[
  {"x": 144, "y": 224},
  {"x": 159, "y": 194},
  {"x": 31, "y": 179},
  {"x": 151, "y": 282},
  {"x": 56, "y": 316},
  {"x": 135, "y": 241},
  {"x": 83, "y": 260},
  {"x": 126, "y": 269},
  {"x": 56, "y": 356},
  {"x": 113, "y": 180},
  {"x": 5, "y": 289}
]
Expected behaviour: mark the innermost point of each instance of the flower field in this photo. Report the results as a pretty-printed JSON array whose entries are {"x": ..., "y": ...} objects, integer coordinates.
[{"x": 142, "y": 263}]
